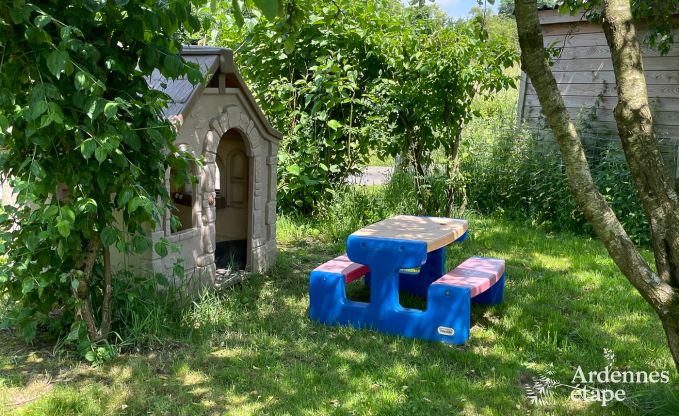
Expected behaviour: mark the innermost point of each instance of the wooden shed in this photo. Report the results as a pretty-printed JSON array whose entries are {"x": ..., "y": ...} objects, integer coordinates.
[{"x": 584, "y": 72}]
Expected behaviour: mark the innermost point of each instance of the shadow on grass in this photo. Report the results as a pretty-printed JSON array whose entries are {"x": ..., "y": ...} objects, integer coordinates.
[{"x": 258, "y": 353}]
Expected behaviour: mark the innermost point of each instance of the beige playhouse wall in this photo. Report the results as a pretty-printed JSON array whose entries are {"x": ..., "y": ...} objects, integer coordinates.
[
  {"x": 6, "y": 195},
  {"x": 213, "y": 115}
]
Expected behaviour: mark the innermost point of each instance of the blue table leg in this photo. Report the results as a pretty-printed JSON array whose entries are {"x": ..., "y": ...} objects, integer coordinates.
[
  {"x": 418, "y": 283},
  {"x": 445, "y": 319},
  {"x": 385, "y": 258}
]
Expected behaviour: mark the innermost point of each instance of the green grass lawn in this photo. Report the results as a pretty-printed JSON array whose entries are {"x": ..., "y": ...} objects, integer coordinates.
[{"x": 253, "y": 350}]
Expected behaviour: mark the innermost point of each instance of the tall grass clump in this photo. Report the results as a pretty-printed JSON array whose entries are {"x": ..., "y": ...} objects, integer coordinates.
[
  {"x": 147, "y": 309},
  {"x": 354, "y": 207},
  {"x": 351, "y": 208},
  {"x": 522, "y": 176}
]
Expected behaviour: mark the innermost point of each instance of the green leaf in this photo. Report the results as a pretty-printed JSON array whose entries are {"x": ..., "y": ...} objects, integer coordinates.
[
  {"x": 87, "y": 148},
  {"x": 148, "y": 206},
  {"x": 75, "y": 283},
  {"x": 161, "y": 279},
  {"x": 237, "y": 13},
  {"x": 42, "y": 20},
  {"x": 140, "y": 244},
  {"x": 132, "y": 140},
  {"x": 51, "y": 211},
  {"x": 173, "y": 66},
  {"x": 289, "y": 45},
  {"x": 94, "y": 5},
  {"x": 82, "y": 80},
  {"x": 135, "y": 203},
  {"x": 87, "y": 205},
  {"x": 161, "y": 247},
  {"x": 100, "y": 154},
  {"x": 334, "y": 124},
  {"x": 56, "y": 62},
  {"x": 124, "y": 196},
  {"x": 110, "y": 109},
  {"x": 64, "y": 228},
  {"x": 55, "y": 113},
  {"x": 36, "y": 170},
  {"x": 67, "y": 213},
  {"x": 27, "y": 285},
  {"x": 91, "y": 356},
  {"x": 192, "y": 24},
  {"x": 94, "y": 107},
  {"x": 109, "y": 236},
  {"x": 294, "y": 169},
  {"x": 178, "y": 269},
  {"x": 74, "y": 334},
  {"x": 37, "y": 109},
  {"x": 20, "y": 14},
  {"x": 65, "y": 32},
  {"x": 268, "y": 7},
  {"x": 150, "y": 56},
  {"x": 60, "y": 249}
]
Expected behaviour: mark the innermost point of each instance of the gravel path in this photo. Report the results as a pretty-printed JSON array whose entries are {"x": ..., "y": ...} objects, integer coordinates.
[{"x": 372, "y": 175}]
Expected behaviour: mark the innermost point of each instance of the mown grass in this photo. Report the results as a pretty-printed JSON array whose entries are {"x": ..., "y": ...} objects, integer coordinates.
[{"x": 251, "y": 349}]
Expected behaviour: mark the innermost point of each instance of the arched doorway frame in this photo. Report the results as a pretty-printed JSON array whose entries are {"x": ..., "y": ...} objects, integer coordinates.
[{"x": 230, "y": 119}]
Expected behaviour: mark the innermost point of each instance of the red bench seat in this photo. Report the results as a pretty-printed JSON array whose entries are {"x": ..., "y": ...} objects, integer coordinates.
[
  {"x": 476, "y": 273},
  {"x": 342, "y": 265}
]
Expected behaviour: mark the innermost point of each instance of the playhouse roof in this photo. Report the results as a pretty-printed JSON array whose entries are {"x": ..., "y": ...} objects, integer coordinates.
[{"x": 211, "y": 61}]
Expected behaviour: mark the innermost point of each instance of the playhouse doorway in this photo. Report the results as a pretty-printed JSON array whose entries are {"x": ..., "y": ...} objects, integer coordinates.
[{"x": 232, "y": 203}]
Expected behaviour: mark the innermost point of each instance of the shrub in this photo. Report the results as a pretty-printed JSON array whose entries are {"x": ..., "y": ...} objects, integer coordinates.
[
  {"x": 147, "y": 308},
  {"x": 522, "y": 176},
  {"x": 363, "y": 77},
  {"x": 354, "y": 207}
]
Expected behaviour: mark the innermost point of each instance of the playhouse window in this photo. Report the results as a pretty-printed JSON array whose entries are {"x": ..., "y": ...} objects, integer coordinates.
[{"x": 183, "y": 198}]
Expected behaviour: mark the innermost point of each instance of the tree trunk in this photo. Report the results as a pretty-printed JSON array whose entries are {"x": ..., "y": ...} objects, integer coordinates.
[
  {"x": 82, "y": 292},
  {"x": 453, "y": 170},
  {"x": 635, "y": 128},
  {"x": 634, "y": 122},
  {"x": 672, "y": 340},
  {"x": 85, "y": 312},
  {"x": 106, "y": 301}
]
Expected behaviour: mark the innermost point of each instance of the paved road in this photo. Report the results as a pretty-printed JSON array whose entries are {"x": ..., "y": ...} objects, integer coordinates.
[{"x": 373, "y": 175}]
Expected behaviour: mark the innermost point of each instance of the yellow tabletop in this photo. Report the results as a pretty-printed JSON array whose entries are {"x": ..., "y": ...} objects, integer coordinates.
[{"x": 435, "y": 231}]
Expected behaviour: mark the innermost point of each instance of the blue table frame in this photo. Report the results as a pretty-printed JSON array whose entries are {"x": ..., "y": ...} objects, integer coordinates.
[{"x": 386, "y": 257}]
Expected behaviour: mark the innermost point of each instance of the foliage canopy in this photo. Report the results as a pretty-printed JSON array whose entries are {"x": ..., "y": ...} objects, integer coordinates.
[
  {"x": 355, "y": 78},
  {"x": 82, "y": 136}
]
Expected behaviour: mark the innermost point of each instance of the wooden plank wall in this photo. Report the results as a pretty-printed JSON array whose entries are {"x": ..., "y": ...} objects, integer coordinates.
[{"x": 584, "y": 73}]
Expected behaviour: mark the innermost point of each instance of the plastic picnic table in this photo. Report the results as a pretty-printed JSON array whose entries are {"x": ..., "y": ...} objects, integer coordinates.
[{"x": 383, "y": 250}]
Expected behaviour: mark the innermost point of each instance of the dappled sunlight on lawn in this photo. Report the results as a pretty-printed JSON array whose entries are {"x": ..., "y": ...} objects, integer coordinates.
[
  {"x": 253, "y": 349},
  {"x": 551, "y": 263}
]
